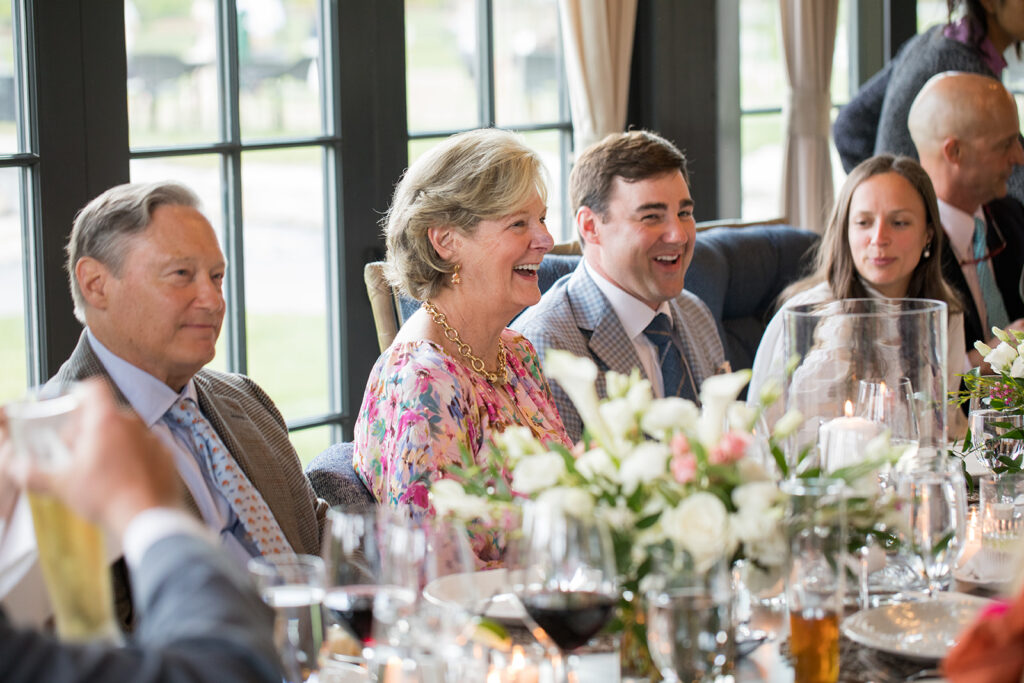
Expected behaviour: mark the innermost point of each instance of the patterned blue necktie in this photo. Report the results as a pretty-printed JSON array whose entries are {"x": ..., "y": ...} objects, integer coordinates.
[
  {"x": 997, "y": 316},
  {"x": 247, "y": 502},
  {"x": 673, "y": 371}
]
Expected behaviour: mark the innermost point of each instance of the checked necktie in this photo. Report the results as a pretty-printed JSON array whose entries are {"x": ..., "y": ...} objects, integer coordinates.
[
  {"x": 997, "y": 316},
  {"x": 673, "y": 371},
  {"x": 245, "y": 500}
]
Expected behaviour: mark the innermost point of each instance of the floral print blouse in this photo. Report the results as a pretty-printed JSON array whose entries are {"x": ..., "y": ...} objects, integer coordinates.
[{"x": 421, "y": 405}]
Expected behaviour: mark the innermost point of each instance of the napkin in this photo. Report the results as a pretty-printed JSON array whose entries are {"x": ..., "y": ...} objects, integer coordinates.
[{"x": 991, "y": 650}]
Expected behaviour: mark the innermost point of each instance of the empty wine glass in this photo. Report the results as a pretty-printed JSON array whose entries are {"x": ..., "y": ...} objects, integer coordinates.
[
  {"x": 893, "y": 407},
  {"x": 996, "y": 438},
  {"x": 567, "y": 577},
  {"x": 936, "y": 500}
]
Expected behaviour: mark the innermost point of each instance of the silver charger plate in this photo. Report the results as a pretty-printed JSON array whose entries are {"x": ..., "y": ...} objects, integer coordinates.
[{"x": 923, "y": 630}]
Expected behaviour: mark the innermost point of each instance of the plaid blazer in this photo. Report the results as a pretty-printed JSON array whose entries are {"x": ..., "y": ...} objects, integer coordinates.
[
  {"x": 575, "y": 316},
  {"x": 254, "y": 431}
]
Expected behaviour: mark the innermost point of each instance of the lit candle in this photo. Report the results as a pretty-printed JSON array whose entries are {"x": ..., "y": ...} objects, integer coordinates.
[
  {"x": 842, "y": 441},
  {"x": 518, "y": 669}
]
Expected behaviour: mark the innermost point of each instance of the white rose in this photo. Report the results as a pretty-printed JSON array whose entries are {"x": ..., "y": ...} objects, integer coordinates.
[
  {"x": 666, "y": 414},
  {"x": 574, "y": 501},
  {"x": 756, "y": 496},
  {"x": 717, "y": 393},
  {"x": 751, "y": 470},
  {"x": 619, "y": 517},
  {"x": 449, "y": 498},
  {"x": 536, "y": 472},
  {"x": 700, "y": 525},
  {"x": 769, "y": 550},
  {"x": 1001, "y": 357},
  {"x": 1017, "y": 369},
  {"x": 596, "y": 462},
  {"x": 646, "y": 463}
]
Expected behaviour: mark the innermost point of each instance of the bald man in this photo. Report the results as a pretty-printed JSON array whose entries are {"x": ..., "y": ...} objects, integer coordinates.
[{"x": 966, "y": 131}]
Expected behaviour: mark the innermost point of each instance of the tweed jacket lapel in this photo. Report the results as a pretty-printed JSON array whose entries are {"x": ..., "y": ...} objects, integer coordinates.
[
  {"x": 608, "y": 342},
  {"x": 249, "y": 449}
]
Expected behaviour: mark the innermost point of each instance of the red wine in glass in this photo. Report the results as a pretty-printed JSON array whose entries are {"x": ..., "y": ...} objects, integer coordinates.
[
  {"x": 352, "y": 607},
  {"x": 570, "y": 618}
]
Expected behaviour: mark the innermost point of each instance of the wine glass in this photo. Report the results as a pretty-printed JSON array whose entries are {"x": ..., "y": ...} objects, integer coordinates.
[
  {"x": 352, "y": 554},
  {"x": 936, "y": 500},
  {"x": 567, "y": 577},
  {"x": 995, "y": 438},
  {"x": 893, "y": 407},
  {"x": 293, "y": 585}
]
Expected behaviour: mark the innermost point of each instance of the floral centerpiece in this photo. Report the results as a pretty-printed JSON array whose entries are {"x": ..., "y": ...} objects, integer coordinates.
[
  {"x": 661, "y": 471},
  {"x": 1002, "y": 391}
]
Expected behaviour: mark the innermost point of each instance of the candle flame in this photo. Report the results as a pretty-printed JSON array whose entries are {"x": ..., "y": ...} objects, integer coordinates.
[{"x": 848, "y": 408}]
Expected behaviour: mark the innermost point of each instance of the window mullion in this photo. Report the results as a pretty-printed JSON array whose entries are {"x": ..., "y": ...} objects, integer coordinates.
[
  {"x": 231, "y": 182},
  {"x": 485, "y": 61}
]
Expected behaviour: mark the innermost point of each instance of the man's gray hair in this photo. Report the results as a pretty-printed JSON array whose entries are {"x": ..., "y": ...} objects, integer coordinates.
[{"x": 103, "y": 227}]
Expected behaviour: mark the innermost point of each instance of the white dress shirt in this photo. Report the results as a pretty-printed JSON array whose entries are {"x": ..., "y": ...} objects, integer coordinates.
[
  {"x": 635, "y": 316},
  {"x": 150, "y": 398},
  {"x": 959, "y": 227}
]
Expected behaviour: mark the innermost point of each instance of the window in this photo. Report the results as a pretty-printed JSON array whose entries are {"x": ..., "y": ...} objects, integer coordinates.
[
  {"x": 18, "y": 162},
  {"x": 464, "y": 73},
  {"x": 762, "y": 89},
  {"x": 229, "y": 98}
]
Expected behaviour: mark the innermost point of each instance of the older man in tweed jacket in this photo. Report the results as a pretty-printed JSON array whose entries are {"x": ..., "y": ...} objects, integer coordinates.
[
  {"x": 146, "y": 274},
  {"x": 624, "y": 306}
]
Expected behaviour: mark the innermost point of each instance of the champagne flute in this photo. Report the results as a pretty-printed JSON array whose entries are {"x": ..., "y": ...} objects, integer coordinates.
[
  {"x": 567, "y": 577},
  {"x": 936, "y": 501}
]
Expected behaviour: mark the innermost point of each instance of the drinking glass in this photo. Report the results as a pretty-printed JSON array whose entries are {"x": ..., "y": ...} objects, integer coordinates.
[
  {"x": 690, "y": 619},
  {"x": 1002, "y": 524},
  {"x": 935, "y": 496},
  {"x": 815, "y": 577},
  {"x": 995, "y": 438},
  {"x": 834, "y": 345},
  {"x": 352, "y": 555},
  {"x": 567, "y": 575},
  {"x": 893, "y": 407},
  {"x": 293, "y": 585},
  {"x": 72, "y": 551}
]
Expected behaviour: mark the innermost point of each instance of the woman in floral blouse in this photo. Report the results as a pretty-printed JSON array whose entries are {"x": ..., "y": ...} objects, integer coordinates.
[{"x": 465, "y": 235}]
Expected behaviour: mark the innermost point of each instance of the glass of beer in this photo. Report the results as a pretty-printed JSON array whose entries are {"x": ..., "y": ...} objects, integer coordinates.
[
  {"x": 72, "y": 551},
  {"x": 816, "y": 530}
]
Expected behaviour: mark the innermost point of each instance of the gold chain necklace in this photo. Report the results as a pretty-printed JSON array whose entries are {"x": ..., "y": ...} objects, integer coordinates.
[{"x": 477, "y": 363}]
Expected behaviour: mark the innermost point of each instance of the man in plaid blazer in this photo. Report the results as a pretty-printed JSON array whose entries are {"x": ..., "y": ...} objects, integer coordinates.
[
  {"x": 634, "y": 218},
  {"x": 146, "y": 274}
]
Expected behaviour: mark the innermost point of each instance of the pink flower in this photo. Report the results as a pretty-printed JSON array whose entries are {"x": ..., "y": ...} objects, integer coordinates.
[
  {"x": 679, "y": 445},
  {"x": 730, "y": 449},
  {"x": 684, "y": 467}
]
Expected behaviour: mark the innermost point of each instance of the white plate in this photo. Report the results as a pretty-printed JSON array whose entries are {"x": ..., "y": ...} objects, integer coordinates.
[
  {"x": 923, "y": 630},
  {"x": 474, "y": 589},
  {"x": 975, "y": 573}
]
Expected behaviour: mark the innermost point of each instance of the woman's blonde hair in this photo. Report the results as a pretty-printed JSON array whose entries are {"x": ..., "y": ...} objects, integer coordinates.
[
  {"x": 834, "y": 261},
  {"x": 479, "y": 175}
]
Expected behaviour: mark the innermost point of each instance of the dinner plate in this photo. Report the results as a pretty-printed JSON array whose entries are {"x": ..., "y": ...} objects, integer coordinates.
[
  {"x": 488, "y": 592},
  {"x": 976, "y": 573},
  {"x": 923, "y": 630}
]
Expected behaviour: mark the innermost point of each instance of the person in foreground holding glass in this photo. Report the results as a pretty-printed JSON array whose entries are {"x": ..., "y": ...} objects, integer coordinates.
[
  {"x": 882, "y": 241},
  {"x": 201, "y": 621},
  {"x": 465, "y": 234}
]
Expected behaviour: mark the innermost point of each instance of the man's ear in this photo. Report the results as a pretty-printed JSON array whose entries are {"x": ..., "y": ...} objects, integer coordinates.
[
  {"x": 952, "y": 150},
  {"x": 588, "y": 226},
  {"x": 93, "y": 280},
  {"x": 445, "y": 240}
]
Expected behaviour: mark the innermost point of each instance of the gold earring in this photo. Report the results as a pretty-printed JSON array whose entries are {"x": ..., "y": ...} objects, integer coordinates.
[{"x": 456, "y": 278}]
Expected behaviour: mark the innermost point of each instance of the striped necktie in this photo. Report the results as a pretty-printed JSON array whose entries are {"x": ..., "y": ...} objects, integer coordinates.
[
  {"x": 673, "y": 370},
  {"x": 250, "y": 507},
  {"x": 997, "y": 316}
]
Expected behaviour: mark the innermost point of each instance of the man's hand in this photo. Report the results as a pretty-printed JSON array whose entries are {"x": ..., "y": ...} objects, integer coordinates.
[{"x": 118, "y": 467}]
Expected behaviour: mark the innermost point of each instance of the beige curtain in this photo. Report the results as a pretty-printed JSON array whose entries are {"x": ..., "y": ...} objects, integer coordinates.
[
  {"x": 808, "y": 37},
  {"x": 598, "y": 43}
]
